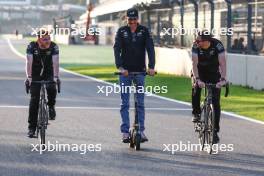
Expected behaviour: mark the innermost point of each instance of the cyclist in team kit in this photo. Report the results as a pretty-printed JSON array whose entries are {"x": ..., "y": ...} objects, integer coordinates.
[
  {"x": 131, "y": 43},
  {"x": 209, "y": 66},
  {"x": 42, "y": 63}
]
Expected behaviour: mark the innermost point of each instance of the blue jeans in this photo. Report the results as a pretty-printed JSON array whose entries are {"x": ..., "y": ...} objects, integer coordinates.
[{"x": 138, "y": 80}]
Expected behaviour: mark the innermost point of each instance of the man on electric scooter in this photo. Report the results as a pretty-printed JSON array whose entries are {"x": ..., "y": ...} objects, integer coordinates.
[{"x": 131, "y": 43}]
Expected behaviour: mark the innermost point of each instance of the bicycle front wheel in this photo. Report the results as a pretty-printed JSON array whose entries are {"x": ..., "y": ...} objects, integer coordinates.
[
  {"x": 42, "y": 135},
  {"x": 201, "y": 132},
  {"x": 211, "y": 127},
  {"x": 42, "y": 122}
]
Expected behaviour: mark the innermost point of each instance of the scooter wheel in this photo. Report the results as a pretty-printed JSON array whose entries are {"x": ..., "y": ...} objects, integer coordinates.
[
  {"x": 137, "y": 141},
  {"x": 131, "y": 142}
]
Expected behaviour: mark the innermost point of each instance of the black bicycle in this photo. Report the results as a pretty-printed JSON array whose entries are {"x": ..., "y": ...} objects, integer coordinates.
[
  {"x": 43, "y": 113},
  {"x": 206, "y": 126},
  {"x": 134, "y": 132}
]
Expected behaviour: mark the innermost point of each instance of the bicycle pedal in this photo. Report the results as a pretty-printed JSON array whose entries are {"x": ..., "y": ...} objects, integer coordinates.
[
  {"x": 198, "y": 126},
  {"x": 198, "y": 129}
]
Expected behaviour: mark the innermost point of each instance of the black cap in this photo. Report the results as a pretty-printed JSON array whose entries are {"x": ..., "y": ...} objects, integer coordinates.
[
  {"x": 205, "y": 35},
  {"x": 132, "y": 13}
]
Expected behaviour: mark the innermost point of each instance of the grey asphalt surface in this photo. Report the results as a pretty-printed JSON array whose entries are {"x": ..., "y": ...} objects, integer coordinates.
[{"x": 83, "y": 118}]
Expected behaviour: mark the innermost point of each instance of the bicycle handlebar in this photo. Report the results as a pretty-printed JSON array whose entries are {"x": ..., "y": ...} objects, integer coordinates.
[
  {"x": 59, "y": 85},
  {"x": 227, "y": 89},
  {"x": 27, "y": 86},
  {"x": 42, "y": 82},
  {"x": 214, "y": 86}
]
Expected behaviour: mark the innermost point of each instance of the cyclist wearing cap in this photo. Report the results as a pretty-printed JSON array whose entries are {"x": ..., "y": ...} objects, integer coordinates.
[
  {"x": 131, "y": 43},
  {"x": 209, "y": 66},
  {"x": 42, "y": 64}
]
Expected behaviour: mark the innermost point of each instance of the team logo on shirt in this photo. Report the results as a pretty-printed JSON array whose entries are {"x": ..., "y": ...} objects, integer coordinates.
[
  {"x": 36, "y": 52},
  {"x": 48, "y": 52},
  {"x": 201, "y": 52},
  {"x": 125, "y": 34},
  {"x": 219, "y": 46},
  {"x": 139, "y": 34},
  {"x": 56, "y": 48},
  {"x": 212, "y": 52}
]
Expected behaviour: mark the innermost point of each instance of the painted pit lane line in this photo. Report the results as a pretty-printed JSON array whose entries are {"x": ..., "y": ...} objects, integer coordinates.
[{"x": 100, "y": 108}]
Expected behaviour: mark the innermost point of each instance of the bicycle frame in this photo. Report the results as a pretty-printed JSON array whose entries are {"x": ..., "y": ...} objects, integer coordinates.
[
  {"x": 205, "y": 127},
  {"x": 43, "y": 106},
  {"x": 208, "y": 101},
  {"x": 43, "y": 114}
]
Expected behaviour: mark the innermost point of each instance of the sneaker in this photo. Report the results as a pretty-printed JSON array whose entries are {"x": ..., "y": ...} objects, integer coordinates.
[
  {"x": 125, "y": 138},
  {"x": 31, "y": 133},
  {"x": 52, "y": 113},
  {"x": 216, "y": 138},
  {"x": 196, "y": 118},
  {"x": 143, "y": 137}
]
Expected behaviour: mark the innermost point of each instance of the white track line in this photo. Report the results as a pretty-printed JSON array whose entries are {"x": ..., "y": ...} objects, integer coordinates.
[
  {"x": 157, "y": 96},
  {"x": 13, "y": 48},
  {"x": 100, "y": 108}
]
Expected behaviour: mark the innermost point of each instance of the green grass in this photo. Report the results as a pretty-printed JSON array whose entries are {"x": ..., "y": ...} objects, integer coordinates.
[
  {"x": 105, "y": 73},
  {"x": 97, "y": 61},
  {"x": 88, "y": 55}
]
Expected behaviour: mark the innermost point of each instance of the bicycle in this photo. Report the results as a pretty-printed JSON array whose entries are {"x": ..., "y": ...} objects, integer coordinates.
[
  {"x": 205, "y": 127},
  {"x": 43, "y": 114},
  {"x": 134, "y": 132}
]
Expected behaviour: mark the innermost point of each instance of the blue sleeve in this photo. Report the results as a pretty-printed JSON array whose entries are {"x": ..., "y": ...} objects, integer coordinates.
[
  {"x": 55, "y": 50},
  {"x": 118, "y": 49},
  {"x": 150, "y": 50},
  {"x": 220, "y": 48},
  {"x": 30, "y": 48},
  {"x": 195, "y": 48}
]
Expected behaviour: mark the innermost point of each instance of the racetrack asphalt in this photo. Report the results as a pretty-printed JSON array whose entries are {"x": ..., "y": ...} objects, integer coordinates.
[{"x": 86, "y": 117}]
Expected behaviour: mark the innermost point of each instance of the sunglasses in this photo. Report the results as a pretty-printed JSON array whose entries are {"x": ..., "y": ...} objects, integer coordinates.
[
  {"x": 200, "y": 41},
  {"x": 45, "y": 39}
]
